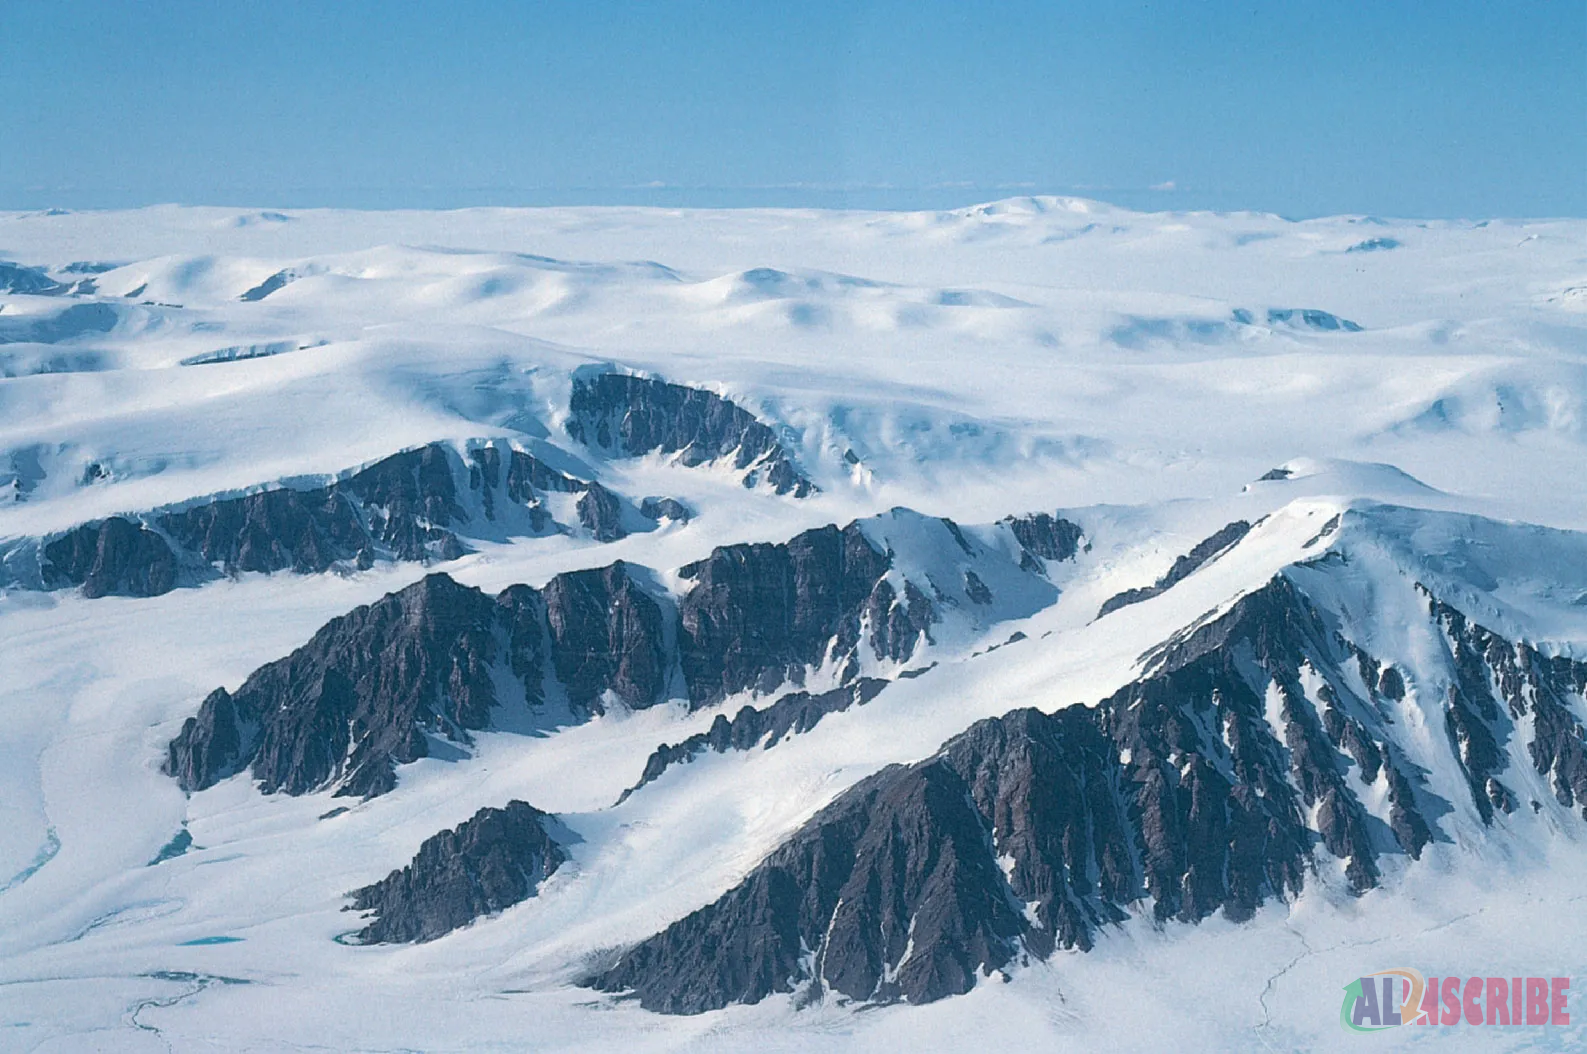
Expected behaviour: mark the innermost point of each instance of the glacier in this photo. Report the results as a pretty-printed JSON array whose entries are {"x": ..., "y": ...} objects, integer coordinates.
[{"x": 1038, "y": 623}]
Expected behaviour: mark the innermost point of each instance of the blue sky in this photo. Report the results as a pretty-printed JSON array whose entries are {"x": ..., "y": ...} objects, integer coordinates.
[{"x": 1444, "y": 108}]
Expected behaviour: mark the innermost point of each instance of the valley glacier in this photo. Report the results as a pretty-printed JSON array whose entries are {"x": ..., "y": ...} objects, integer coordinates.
[{"x": 1037, "y": 624}]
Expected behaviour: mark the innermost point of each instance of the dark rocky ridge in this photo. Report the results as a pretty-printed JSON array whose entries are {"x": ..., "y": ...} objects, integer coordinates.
[
  {"x": 1177, "y": 794},
  {"x": 493, "y": 860},
  {"x": 759, "y": 615},
  {"x": 792, "y": 713},
  {"x": 411, "y": 506},
  {"x": 895, "y": 888},
  {"x": 367, "y": 692},
  {"x": 1201, "y": 553},
  {"x": 665, "y": 509},
  {"x": 369, "y": 689},
  {"x": 639, "y": 415},
  {"x": 360, "y": 697}
]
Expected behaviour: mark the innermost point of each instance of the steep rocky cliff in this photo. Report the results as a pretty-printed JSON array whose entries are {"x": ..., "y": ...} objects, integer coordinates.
[
  {"x": 1045, "y": 537},
  {"x": 757, "y": 616},
  {"x": 606, "y": 637},
  {"x": 111, "y": 557},
  {"x": 630, "y": 415}
]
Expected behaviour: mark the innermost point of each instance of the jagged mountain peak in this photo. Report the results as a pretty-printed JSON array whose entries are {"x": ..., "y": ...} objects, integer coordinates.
[{"x": 1259, "y": 750}]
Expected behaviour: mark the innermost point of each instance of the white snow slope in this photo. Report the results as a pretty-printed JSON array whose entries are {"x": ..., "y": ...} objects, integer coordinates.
[{"x": 1140, "y": 372}]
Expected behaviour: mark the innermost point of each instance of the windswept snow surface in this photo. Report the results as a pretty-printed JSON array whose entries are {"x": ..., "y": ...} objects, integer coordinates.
[{"x": 1154, "y": 376}]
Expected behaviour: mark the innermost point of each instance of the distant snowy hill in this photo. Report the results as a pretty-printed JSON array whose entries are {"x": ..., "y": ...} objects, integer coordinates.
[{"x": 1037, "y": 623}]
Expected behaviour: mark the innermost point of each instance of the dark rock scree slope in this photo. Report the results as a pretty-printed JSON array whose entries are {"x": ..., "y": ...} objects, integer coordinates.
[{"x": 1177, "y": 795}]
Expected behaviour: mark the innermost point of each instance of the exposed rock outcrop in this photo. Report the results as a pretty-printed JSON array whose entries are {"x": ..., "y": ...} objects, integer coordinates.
[
  {"x": 371, "y": 687},
  {"x": 665, "y": 509},
  {"x": 417, "y": 505},
  {"x": 896, "y": 890},
  {"x": 631, "y": 415},
  {"x": 360, "y": 696},
  {"x": 1498, "y": 684},
  {"x": 601, "y": 513},
  {"x": 759, "y": 615},
  {"x": 792, "y": 713},
  {"x": 275, "y": 282},
  {"x": 1204, "y": 551},
  {"x": 113, "y": 557},
  {"x": 1045, "y": 537},
  {"x": 606, "y": 637},
  {"x": 493, "y": 860}
]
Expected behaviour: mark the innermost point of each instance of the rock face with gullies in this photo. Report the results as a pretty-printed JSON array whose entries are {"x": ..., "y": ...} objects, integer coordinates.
[
  {"x": 417, "y": 505},
  {"x": 1498, "y": 684},
  {"x": 114, "y": 557},
  {"x": 606, "y": 637},
  {"x": 490, "y": 862},
  {"x": 1029, "y": 832},
  {"x": 758, "y": 616},
  {"x": 371, "y": 687},
  {"x": 406, "y": 506},
  {"x": 1203, "y": 552},
  {"x": 896, "y": 890},
  {"x": 1045, "y": 537},
  {"x": 639, "y": 415}
]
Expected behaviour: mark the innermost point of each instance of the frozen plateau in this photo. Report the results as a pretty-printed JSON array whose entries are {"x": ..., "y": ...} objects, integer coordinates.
[{"x": 1034, "y": 626}]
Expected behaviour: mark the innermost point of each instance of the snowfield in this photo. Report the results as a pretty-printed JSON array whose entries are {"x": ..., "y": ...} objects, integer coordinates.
[{"x": 1397, "y": 411}]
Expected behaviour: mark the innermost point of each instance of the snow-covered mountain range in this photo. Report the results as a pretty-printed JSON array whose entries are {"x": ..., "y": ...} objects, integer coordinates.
[{"x": 1037, "y": 623}]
